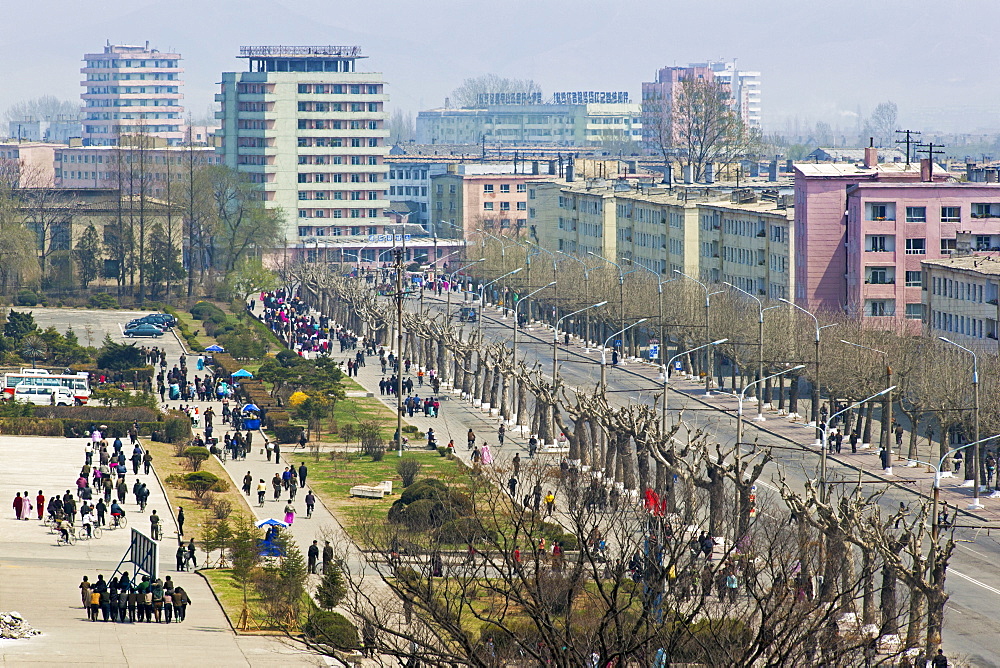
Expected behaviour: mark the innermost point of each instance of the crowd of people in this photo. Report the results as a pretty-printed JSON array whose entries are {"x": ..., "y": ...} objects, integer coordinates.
[{"x": 122, "y": 599}]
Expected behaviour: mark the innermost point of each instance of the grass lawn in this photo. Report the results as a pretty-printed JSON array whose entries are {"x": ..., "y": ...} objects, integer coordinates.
[
  {"x": 230, "y": 594},
  {"x": 332, "y": 480},
  {"x": 195, "y": 517}
]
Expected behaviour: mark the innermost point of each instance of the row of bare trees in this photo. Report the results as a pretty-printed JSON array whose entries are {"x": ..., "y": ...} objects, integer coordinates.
[{"x": 801, "y": 578}]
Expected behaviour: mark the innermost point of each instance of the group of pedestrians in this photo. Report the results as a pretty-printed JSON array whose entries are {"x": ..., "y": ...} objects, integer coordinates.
[{"x": 123, "y": 600}]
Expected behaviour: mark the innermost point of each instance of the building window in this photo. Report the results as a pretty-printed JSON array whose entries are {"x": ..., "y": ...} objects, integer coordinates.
[
  {"x": 879, "y": 276},
  {"x": 522, "y": 206},
  {"x": 947, "y": 246},
  {"x": 914, "y": 311},
  {"x": 505, "y": 187},
  {"x": 914, "y": 279},
  {"x": 880, "y": 243},
  {"x": 487, "y": 206},
  {"x": 916, "y": 214},
  {"x": 451, "y": 189},
  {"x": 916, "y": 246},
  {"x": 882, "y": 211},
  {"x": 951, "y": 214},
  {"x": 983, "y": 242},
  {"x": 488, "y": 188},
  {"x": 986, "y": 210},
  {"x": 880, "y": 307},
  {"x": 505, "y": 206}
]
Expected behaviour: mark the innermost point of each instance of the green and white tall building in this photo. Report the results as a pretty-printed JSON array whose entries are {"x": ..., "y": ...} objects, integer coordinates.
[{"x": 309, "y": 127}]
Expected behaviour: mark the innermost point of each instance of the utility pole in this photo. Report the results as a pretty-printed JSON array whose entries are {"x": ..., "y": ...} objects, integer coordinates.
[
  {"x": 399, "y": 349},
  {"x": 929, "y": 149},
  {"x": 909, "y": 140}
]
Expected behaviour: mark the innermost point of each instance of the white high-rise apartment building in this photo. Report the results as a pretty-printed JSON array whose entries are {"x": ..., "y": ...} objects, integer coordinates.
[
  {"x": 745, "y": 87},
  {"x": 304, "y": 123},
  {"x": 131, "y": 89}
]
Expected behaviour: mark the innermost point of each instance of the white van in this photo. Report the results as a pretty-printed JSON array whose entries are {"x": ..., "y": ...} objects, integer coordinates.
[{"x": 44, "y": 395}]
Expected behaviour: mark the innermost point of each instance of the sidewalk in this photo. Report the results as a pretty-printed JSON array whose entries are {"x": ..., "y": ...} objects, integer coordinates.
[{"x": 39, "y": 579}]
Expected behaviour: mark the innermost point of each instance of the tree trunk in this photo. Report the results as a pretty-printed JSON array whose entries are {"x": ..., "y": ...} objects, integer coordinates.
[
  {"x": 522, "y": 400},
  {"x": 793, "y": 395},
  {"x": 495, "y": 390},
  {"x": 866, "y": 438},
  {"x": 890, "y": 623},
  {"x": 628, "y": 462},
  {"x": 868, "y": 587}
]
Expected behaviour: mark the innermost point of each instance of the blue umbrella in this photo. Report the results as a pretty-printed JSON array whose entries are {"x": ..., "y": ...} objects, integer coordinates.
[
  {"x": 215, "y": 349},
  {"x": 271, "y": 522},
  {"x": 242, "y": 373},
  {"x": 251, "y": 407}
]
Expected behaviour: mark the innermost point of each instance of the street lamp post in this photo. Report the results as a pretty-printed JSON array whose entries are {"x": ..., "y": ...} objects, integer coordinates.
[
  {"x": 742, "y": 396},
  {"x": 816, "y": 385},
  {"x": 517, "y": 307},
  {"x": 826, "y": 429},
  {"x": 555, "y": 333},
  {"x": 760, "y": 346},
  {"x": 659, "y": 318},
  {"x": 586, "y": 297},
  {"x": 400, "y": 263},
  {"x": 666, "y": 378},
  {"x": 975, "y": 394},
  {"x": 482, "y": 297},
  {"x": 604, "y": 352},
  {"x": 709, "y": 353},
  {"x": 621, "y": 292},
  {"x": 885, "y": 438}
]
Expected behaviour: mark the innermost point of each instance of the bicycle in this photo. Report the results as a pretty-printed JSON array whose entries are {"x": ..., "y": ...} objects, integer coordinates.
[
  {"x": 155, "y": 532},
  {"x": 95, "y": 532},
  {"x": 68, "y": 538},
  {"x": 119, "y": 521}
]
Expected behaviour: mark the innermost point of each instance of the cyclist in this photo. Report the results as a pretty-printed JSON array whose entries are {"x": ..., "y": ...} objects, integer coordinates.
[
  {"x": 261, "y": 491},
  {"x": 116, "y": 514},
  {"x": 87, "y": 518},
  {"x": 154, "y": 526},
  {"x": 63, "y": 528}
]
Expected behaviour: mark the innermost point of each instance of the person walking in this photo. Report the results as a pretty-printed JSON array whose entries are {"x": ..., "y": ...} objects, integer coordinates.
[
  {"x": 313, "y": 556},
  {"x": 327, "y": 557},
  {"x": 269, "y": 449},
  {"x": 147, "y": 462},
  {"x": 40, "y": 504},
  {"x": 154, "y": 525},
  {"x": 303, "y": 470},
  {"x": 536, "y": 494},
  {"x": 181, "y": 601},
  {"x": 289, "y": 513},
  {"x": 181, "y": 556},
  {"x": 192, "y": 553},
  {"x": 180, "y": 521},
  {"x": 247, "y": 483},
  {"x": 18, "y": 505},
  {"x": 550, "y": 503},
  {"x": 471, "y": 438},
  {"x": 310, "y": 503},
  {"x": 516, "y": 463},
  {"x": 501, "y": 432},
  {"x": 940, "y": 660},
  {"x": 512, "y": 485}
]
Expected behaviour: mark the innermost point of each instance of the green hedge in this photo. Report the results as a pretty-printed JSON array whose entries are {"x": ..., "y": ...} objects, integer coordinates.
[
  {"x": 98, "y": 414},
  {"x": 287, "y": 433},
  {"x": 171, "y": 430}
]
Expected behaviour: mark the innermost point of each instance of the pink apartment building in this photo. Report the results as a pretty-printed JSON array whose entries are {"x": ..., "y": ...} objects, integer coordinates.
[{"x": 862, "y": 231}]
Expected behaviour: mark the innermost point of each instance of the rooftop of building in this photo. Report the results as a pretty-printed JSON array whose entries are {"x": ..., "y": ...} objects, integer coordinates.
[
  {"x": 847, "y": 169},
  {"x": 856, "y": 154},
  {"x": 280, "y": 51},
  {"x": 981, "y": 263}
]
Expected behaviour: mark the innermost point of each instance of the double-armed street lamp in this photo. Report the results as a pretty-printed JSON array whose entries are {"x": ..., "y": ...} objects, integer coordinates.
[
  {"x": 741, "y": 397},
  {"x": 825, "y": 431},
  {"x": 586, "y": 296},
  {"x": 975, "y": 398},
  {"x": 816, "y": 383},
  {"x": 886, "y": 437},
  {"x": 666, "y": 378},
  {"x": 604, "y": 351},
  {"x": 555, "y": 334},
  {"x": 659, "y": 318},
  {"x": 710, "y": 350},
  {"x": 621, "y": 292},
  {"x": 482, "y": 296},
  {"x": 760, "y": 346}
]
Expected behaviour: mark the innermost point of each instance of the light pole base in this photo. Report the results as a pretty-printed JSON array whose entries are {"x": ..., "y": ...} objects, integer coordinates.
[
  {"x": 967, "y": 483},
  {"x": 912, "y": 464},
  {"x": 975, "y": 505},
  {"x": 995, "y": 494},
  {"x": 760, "y": 418},
  {"x": 818, "y": 442},
  {"x": 947, "y": 474}
]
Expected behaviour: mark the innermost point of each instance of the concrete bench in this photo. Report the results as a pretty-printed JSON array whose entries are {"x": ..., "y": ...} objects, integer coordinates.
[
  {"x": 378, "y": 491},
  {"x": 554, "y": 450}
]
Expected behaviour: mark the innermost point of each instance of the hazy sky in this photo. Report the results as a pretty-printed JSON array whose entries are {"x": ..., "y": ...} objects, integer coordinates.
[{"x": 819, "y": 61}]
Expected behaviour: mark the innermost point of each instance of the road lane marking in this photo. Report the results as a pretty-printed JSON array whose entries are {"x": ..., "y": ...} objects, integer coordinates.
[{"x": 974, "y": 581}]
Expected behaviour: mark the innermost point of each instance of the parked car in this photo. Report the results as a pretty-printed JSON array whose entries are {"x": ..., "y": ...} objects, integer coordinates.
[
  {"x": 42, "y": 395},
  {"x": 467, "y": 314},
  {"x": 158, "y": 319},
  {"x": 144, "y": 329}
]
